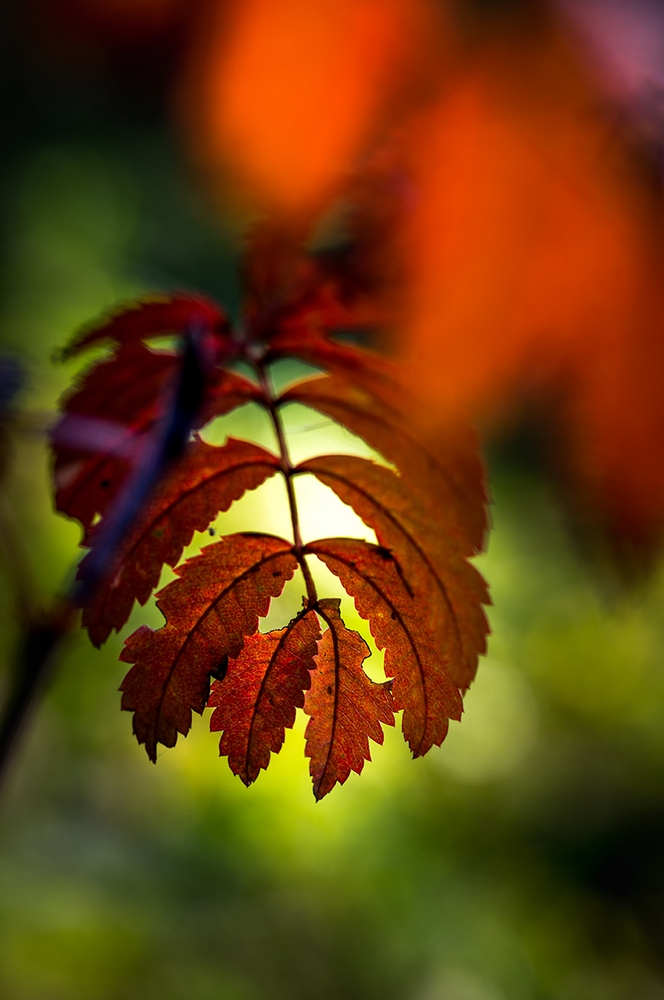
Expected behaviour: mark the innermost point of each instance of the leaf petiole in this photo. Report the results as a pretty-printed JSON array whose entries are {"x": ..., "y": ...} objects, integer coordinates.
[{"x": 287, "y": 469}]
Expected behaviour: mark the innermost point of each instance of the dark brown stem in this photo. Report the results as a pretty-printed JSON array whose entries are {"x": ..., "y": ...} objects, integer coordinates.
[
  {"x": 41, "y": 639},
  {"x": 287, "y": 471},
  {"x": 15, "y": 563}
]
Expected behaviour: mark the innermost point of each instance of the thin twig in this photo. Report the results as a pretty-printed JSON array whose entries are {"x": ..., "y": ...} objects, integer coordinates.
[
  {"x": 41, "y": 640},
  {"x": 287, "y": 469}
]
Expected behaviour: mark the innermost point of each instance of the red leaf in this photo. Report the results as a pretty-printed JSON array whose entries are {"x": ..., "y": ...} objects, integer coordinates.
[
  {"x": 448, "y": 476},
  {"x": 125, "y": 390},
  {"x": 205, "y": 482},
  {"x": 256, "y": 701},
  {"x": 362, "y": 367},
  {"x": 346, "y": 708},
  {"x": 399, "y": 624},
  {"x": 224, "y": 392},
  {"x": 155, "y": 317},
  {"x": 449, "y": 590},
  {"x": 290, "y": 294},
  {"x": 113, "y": 406},
  {"x": 419, "y": 592},
  {"x": 217, "y": 601}
]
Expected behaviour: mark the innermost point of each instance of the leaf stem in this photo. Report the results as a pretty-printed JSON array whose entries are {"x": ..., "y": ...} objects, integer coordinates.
[{"x": 287, "y": 470}]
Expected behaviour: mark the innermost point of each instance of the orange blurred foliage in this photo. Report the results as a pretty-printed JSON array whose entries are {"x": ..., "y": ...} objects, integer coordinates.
[
  {"x": 535, "y": 260},
  {"x": 286, "y": 95},
  {"x": 527, "y": 237}
]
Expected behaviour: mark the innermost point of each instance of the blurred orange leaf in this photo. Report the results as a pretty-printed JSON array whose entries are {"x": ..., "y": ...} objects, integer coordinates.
[
  {"x": 285, "y": 91},
  {"x": 529, "y": 231}
]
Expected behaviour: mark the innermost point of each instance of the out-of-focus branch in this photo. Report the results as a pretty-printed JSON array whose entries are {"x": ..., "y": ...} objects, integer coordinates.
[{"x": 42, "y": 634}]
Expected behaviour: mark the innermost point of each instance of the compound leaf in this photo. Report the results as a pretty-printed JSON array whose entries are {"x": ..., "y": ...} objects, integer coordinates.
[{"x": 209, "y": 610}]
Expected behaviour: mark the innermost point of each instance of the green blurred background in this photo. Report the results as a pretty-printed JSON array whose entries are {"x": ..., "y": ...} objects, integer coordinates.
[{"x": 523, "y": 860}]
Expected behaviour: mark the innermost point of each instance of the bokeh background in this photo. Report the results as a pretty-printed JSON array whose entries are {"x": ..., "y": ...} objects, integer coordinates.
[{"x": 523, "y": 860}]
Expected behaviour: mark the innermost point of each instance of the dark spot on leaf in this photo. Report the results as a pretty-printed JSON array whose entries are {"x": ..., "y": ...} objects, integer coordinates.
[
  {"x": 276, "y": 572},
  {"x": 220, "y": 671},
  {"x": 383, "y": 552},
  {"x": 211, "y": 532},
  {"x": 329, "y": 689},
  {"x": 105, "y": 483}
]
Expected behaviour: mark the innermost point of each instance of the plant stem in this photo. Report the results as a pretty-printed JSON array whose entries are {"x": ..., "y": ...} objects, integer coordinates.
[
  {"x": 287, "y": 471},
  {"x": 41, "y": 639}
]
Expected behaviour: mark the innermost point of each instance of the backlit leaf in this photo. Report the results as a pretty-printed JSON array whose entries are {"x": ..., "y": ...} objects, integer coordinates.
[
  {"x": 113, "y": 406},
  {"x": 449, "y": 591},
  {"x": 156, "y": 317},
  {"x": 345, "y": 706},
  {"x": 399, "y": 624},
  {"x": 362, "y": 367},
  {"x": 255, "y": 702},
  {"x": 205, "y": 482},
  {"x": 417, "y": 589},
  {"x": 209, "y": 610},
  {"x": 446, "y": 475}
]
